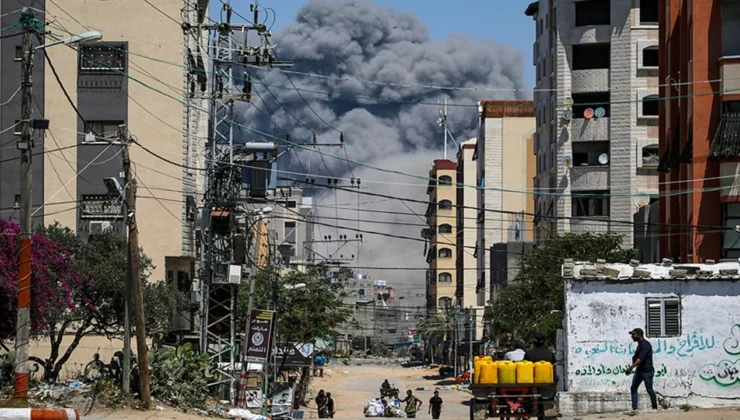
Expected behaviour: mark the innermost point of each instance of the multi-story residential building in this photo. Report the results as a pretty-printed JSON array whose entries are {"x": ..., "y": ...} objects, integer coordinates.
[
  {"x": 467, "y": 231},
  {"x": 294, "y": 214},
  {"x": 504, "y": 170},
  {"x": 699, "y": 119},
  {"x": 75, "y": 155},
  {"x": 442, "y": 235},
  {"x": 597, "y": 115}
]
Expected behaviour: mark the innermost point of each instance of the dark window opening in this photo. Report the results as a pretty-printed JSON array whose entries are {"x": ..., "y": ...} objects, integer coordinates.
[
  {"x": 730, "y": 28},
  {"x": 582, "y": 101},
  {"x": 101, "y": 130},
  {"x": 18, "y": 53},
  {"x": 650, "y": 155},
  {"x": 445, "y": 180},
  {"x": 445, "y": 253},
  {"x": 100, "y": 58},
  {"x": 290, "y": 232},
  {"x": 593, "y": 12},
  {"x": 650, "y": 106},
  {"x": 445, "y": 228},
  {"x": 649, "y": 12},
  {"x": 650, "y": 57},
  {"x": 590, "y": 203},
  {"x": 589, "y": 153},
  {"x": 290, "y": 204},
  {"x": 445, "y": 302},
  {"x": 17, "y": 129},
  {"x": 445, "y": 277},
  {"x": 591, "y": 56},
  {"x": 445, "y": 205}
]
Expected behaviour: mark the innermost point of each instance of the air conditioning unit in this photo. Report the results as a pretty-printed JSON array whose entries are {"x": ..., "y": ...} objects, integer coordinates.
[{"x": 97, "y": 227}]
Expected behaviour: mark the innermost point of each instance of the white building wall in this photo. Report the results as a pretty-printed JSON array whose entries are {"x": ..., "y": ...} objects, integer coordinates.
[{"x": 701, "y": 367}]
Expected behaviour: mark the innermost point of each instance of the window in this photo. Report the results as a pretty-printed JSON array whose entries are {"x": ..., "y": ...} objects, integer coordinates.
[
  {"x": 730, "y": 27},
  {"x": 445, "y": 228},
  {"x": 290, "y": 204},
  {"x": 582, "y": 101},
  {"x": 590, "y": 203},
  {"x": 445, "y": 253},
  {"x": 649, "y": 12},
  {"x": 290, "y": 232},
  {"x": 445, "y": 277},
  {"x": 190, "y": 208},
  {"x": 650, "y": 155},
  {"x": 445, "y": 180},
  {"x": 591, "y": 56},
  {"x": 445, "y": 205},
  {"x": 663, "y": 317},
  {"x": 17, "y": 129},
  {"x": 650, "y": 56},
  {"x": 650, "y": 106},
  {"x": 445, "y": 302},
  {"x": 102, "y": 58},
  {"x": 731, "y": 245},
  {"x": 18, "y": 53},
  {"x": 588, "y": 153},
  {"x": 593, "y": 12},
  {"x": 105, "y": 130}
]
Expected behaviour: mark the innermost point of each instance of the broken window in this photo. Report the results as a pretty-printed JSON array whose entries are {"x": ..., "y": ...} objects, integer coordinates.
[
  {"x": 650, "y": 155},
  {"x": 591, "y": 56},
  {"x": 593, "y": 12},
  {"x": 663, "y": 317},
  {"x": 588, "y": 153}
]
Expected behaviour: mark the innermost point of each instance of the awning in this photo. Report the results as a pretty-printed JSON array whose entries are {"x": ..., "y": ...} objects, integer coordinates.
[{"x": 726, "y": 142}]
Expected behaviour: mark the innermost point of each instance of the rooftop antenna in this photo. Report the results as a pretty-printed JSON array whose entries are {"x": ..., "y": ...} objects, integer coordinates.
[{"x": 442, "y": 121}]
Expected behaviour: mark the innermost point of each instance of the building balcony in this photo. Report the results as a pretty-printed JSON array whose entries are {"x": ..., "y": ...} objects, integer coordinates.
[
  {"x": 591, "y": 80},
  {"x": 729, "y": 74},
  {"x": 589, "y": 178},
  {"x": 594, "y": 129},
  {"x": 590, "y": 34}
]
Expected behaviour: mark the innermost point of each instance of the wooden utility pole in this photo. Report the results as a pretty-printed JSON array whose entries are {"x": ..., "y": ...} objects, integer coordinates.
[{"x": 138, "y": 296}]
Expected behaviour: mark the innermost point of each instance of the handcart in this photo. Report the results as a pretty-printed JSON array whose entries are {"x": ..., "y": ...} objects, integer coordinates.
[{"x": 511, "y": 401}]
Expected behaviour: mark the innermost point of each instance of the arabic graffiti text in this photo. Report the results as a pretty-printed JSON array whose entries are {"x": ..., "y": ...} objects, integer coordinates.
[
  {"x": 724, "y": 373},
  {"x": 684, "y": 346}
]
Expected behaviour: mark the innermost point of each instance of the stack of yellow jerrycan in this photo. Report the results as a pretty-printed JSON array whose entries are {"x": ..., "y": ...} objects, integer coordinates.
[
  {"x": 488, "y": 372},
  {"x": 506, "y": 372},
  {"x": 524, "y": 372},
  {"x": 543, "y": 373},
  {"x": 478, "y": 362}
]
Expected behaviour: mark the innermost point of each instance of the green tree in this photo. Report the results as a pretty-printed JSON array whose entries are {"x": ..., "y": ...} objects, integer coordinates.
[
  {"x": 435, "y": 327},
  {"x": 308, "y": 305},
  {"x": 535, "y": 301},
  {"x": 98, "y": 308}
]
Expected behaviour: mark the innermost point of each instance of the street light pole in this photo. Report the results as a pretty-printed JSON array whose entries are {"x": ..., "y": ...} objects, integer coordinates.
[{"x": 23, "y": 326}]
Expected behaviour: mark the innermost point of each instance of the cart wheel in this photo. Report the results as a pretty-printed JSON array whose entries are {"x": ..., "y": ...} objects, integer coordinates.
[{"x": 478, "y": 409}]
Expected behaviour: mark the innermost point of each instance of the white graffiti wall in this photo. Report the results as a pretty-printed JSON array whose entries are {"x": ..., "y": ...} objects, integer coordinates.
[{"x": 704, "y": 361}]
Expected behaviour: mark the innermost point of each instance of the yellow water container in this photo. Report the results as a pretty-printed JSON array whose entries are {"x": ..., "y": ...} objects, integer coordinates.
[
  {"x": 476, "y": 371},
  {"x": 488, "y": 373},
  {"x": 524, "y": 372},
  {"x": 506, "y": 372},
  {"x": 543, "y": 373}
]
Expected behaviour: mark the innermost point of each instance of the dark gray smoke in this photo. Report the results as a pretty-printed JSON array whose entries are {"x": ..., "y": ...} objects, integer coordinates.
[{"x": 361, "y": 40}]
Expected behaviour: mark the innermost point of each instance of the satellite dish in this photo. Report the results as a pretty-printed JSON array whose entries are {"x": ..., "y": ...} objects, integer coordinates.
[
  {"x": 604, "y": 158},
  {"x": 568, "y": 161},
  {"x": 567, "y": 115},
  {"x": 600, "y": 112},
  {"x": 641, "y": 200},
  {"x": 588, "y": 113},
  {"x": 568, "y": 102}
]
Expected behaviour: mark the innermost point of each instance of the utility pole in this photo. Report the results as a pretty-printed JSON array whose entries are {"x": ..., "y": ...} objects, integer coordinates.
[
  {"x": 471, "y": 327},
  {"x": 454, "y": 341},
  {"x": 443, "y": 123},
  {"x": 126, "y": 377},
  {"x": 23, "y": 326},
  {"x": 138, "y": 298}
]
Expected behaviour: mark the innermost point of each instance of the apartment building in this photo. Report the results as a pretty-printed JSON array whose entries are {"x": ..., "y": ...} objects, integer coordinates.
[
  {"x": 293, "y": 215},
  {"x": 597, "y": 116},
  {"x": 441, "y": 235},
  {"x": 699, "y": 153},
  {"x": 504, "y": 174},
  {"x": 74, "y": 156}
]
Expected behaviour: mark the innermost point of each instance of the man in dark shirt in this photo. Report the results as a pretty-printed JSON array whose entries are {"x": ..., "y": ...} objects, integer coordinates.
[
  {"x": 435, "y": 405},
  {"x": 642, "y": 365},
  {"x": 539, "y": 353},
  {"x": 330, "y": 405}
]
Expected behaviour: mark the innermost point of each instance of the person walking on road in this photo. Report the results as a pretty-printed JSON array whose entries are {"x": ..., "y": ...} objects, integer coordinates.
[
  {"x": 330, "y": 405},
  {"x": 642, "y": 365},
  {"x": 413, "y": 404},
  {"x": 435, "y": 405},
  {"x": 322, "y": 405}
]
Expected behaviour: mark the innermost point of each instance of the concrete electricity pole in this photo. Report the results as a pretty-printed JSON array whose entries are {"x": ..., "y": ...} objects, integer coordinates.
[
  {"x": 20, "y": 384},
  {"x": 135, "y": 267},
  {"x": 126, "y": 376}
]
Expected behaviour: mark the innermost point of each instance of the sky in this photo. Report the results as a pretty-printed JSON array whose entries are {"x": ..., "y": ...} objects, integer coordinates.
[{"x": 499, "y": 20}]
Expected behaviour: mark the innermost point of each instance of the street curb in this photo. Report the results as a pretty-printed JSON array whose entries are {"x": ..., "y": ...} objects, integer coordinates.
[{"x": 38, "y": 414}]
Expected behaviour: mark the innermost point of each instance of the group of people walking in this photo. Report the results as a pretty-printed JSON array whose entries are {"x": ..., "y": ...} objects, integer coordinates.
[{"x": 325, "y": 405}]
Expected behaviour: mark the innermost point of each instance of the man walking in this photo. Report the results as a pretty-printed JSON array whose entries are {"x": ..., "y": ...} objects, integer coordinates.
[
  {"x": 642, "y": 365},
  {"x": 435, "y": 405},
  {"x": 413, "y": 404}
]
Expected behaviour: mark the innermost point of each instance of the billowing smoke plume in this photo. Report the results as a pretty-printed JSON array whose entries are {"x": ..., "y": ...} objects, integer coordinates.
[{"x": 361, "y": 40}]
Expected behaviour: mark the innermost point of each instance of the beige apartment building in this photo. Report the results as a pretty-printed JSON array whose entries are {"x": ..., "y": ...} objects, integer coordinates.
[
  {"x": 124, "y": 79},
  {"x": 505, "y": 167},
  {"x": 441, "y": 235}
]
